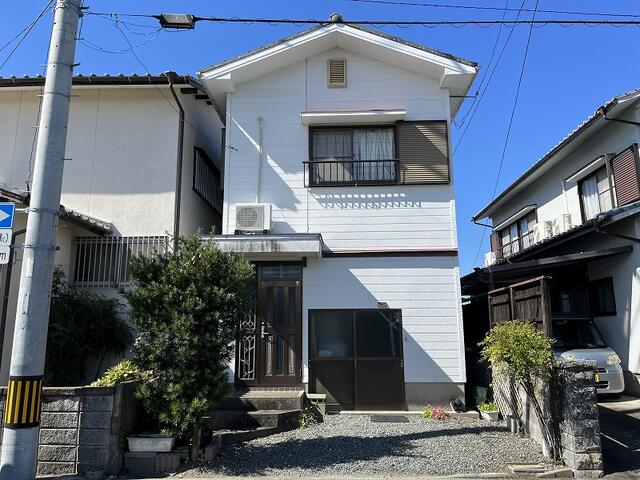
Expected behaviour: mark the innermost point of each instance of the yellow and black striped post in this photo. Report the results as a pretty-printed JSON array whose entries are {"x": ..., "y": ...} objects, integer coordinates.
[{"x": 23, "y": 401}]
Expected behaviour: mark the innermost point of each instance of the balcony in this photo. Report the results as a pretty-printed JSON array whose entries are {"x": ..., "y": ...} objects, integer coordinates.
[
  {"x": 516, "y": 245},
  {"x": 333, "y": 173}
]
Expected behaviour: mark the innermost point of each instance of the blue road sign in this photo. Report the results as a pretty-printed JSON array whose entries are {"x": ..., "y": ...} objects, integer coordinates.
[{"x": 6, "y": 214}]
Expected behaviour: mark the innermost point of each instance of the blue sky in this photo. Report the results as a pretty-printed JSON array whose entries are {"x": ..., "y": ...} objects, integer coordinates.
[{"x": 569, "y": 72}]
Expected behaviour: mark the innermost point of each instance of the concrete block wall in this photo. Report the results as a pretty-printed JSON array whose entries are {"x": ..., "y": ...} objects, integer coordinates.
[
  {"x": 578, "y": 423},
  {"x": 571, "y": 400},
  {"x": 84, "y": 426}
]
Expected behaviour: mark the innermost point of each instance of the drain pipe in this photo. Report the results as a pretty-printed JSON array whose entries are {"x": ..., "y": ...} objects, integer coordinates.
[
  {"x": 7, "y": 288},
  {"x": 171, "y": 77}
]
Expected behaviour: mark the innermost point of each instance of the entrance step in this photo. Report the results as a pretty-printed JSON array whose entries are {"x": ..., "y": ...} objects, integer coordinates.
[
  {"x": 236, "y": 436},
  {"x": 255, "y": 400},
  {"x": 243, "y": 419}
]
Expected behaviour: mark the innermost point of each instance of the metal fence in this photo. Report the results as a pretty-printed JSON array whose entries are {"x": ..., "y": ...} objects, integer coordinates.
[{"x": 104, "y": 261}]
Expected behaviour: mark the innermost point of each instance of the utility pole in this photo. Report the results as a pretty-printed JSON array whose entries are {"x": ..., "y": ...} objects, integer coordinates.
[{"x": 22, "y": 406}]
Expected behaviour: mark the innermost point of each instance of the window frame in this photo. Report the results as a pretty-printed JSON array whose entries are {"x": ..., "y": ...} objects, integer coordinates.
[
  {"x": 592, "y": 285},
  {"x": 199, "y": 151},
  {"x": 351, "y": 127},
  {"x": 609, "y": 190},
  {"x": 518, "y": 224}
]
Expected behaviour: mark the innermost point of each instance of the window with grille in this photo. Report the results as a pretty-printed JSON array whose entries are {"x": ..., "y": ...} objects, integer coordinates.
[
  {"x": 104, "y": 261},
  {"x": 206, "y": 179}
]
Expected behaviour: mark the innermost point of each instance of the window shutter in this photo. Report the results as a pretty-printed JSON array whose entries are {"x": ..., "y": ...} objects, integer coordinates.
[
  {"x": 495, "y": 241},
  {"x": 337, "y": 72},
  {"x": 625, "y": 175},
  {"x": 423, "y": 151}
]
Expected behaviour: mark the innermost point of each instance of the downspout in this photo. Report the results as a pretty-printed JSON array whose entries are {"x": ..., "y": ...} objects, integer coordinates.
[
  {"x": 7, "y": 289},
  {"x": 171, "y": 76},
  {"x": 259, "y": 173}
]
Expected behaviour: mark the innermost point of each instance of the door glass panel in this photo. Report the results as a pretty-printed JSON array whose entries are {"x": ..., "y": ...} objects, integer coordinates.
[
  {"x": 280, "y": 356},
  {"x": 269, "y": 306},
  {"x": 292, "y": 306},
  {"x": 280, "y": 272},
  {"x": 332, "y": 334},
  {"x": 377, "y": 333},
  {"x": 279, "y": 305}
]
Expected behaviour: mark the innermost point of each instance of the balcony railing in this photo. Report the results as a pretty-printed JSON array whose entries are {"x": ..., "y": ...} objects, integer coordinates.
[
  {"x": 328, "y": 173},
  {"x": 516, "y": 245}
]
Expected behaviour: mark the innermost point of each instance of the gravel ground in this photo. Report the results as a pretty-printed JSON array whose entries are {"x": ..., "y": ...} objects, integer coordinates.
[{"x": 354, "y": 445}]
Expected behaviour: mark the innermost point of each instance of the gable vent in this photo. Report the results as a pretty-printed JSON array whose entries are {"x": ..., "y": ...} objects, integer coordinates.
[{"x": 337, "y": 72}]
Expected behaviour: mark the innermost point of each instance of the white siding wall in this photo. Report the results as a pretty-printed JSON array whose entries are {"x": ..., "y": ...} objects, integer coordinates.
[
  {"x": 425, "y": 288},
  {"x": 347, "y": 217},
  {"x": 547, "y": 193},
  {"x": 122, "y": 145}
]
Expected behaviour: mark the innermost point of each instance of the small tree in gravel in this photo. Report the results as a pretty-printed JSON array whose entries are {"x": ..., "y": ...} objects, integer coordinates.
[
  {"x": 187, "y": 307},
  {"x": 519, "y": 351}
]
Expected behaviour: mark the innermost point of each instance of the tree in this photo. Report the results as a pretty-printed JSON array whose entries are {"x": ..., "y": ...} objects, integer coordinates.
[
  {"x": 187, "y": 307},
  {"x": 81, "y": 326},
  {"x": 519, "y": 351}
]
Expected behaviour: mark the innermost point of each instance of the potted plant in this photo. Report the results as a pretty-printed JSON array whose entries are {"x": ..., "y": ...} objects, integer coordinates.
[
  {"x": 489, "y": 411},
  {"x": 151, "y": 442}
]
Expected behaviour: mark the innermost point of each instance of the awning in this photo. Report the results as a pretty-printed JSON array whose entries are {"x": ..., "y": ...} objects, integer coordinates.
[
  {"x": 506, "y": 273},
  {"x": 346, "y": 117},
  {"x": 514, "y": 217},
  {"x": 262, "y": 247}
]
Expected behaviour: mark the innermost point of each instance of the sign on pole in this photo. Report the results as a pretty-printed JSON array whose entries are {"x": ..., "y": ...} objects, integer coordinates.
[{"x": 7, "y": 211}]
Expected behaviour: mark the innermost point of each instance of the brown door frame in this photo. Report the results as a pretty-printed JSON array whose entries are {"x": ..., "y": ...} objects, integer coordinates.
[
  {"x": 258, "y": 381},
  {"x": 354, "y": 360}
]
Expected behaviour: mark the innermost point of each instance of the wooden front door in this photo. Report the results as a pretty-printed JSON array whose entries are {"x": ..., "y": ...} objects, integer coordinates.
[{"x": 279, "y": 332}]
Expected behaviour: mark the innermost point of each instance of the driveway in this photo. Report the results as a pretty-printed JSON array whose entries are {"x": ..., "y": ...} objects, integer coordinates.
[
  {"x": 620, "y": 427},
  {"x": 354, "y": 445}
]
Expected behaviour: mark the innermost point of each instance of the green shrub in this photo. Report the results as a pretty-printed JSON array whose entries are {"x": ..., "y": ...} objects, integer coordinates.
[
  {"x": 81, "y": 326},
  {"x": 488, "y": 407},
  {"x": 187, "y": 307},
  {"x": 517, "y": 350},
  {"x": 306, "y": 419},
  {"x": 125, "y": 371}
]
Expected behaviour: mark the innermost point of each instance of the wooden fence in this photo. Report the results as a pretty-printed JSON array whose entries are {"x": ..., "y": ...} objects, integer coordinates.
[{"x": 527, "y": 301}]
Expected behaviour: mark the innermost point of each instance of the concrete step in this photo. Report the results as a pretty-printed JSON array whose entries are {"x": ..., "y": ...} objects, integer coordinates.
[
  {"x": 255, "y": 400},
  {"x": 236, "y": 436},
  {"x": 243, "y": 419}
]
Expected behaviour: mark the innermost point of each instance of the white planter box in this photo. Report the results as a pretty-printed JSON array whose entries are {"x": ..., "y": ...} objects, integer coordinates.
[
  {"x": 150, "y": 443},
  {"x": 490, "y": 416}
]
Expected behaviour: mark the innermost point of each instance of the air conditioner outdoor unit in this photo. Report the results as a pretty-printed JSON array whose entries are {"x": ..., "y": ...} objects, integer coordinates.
[{"x": 253, "y": 217}]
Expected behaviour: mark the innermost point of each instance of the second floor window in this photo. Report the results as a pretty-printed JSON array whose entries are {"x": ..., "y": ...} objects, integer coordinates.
[
  {"x": 595, "y": 194},
  {"x": 350, "y": 155},
  {"x": 518, "y": 235}
]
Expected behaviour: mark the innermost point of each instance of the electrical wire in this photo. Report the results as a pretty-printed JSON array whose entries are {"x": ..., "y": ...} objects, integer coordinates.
[
  {"x": 397, "y": 23},
  {"x": 24, "y": 33},
  {"x": 511, "y": 117},
  {"x": 484, "y": 75},
  {"x": 132, "y": 49},
  {"x": 477, "y": 7}
]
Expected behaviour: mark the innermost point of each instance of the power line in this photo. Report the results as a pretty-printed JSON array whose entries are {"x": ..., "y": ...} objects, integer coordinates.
[
  {"x": 475, "y": 109},
  {"x": 25, "y": 32},
  {"x": 398, "y": 23},
  {"x": 476, "y": 7},
  {"x": 484, "y": 74},
  {"x": 513, "y": 112}
]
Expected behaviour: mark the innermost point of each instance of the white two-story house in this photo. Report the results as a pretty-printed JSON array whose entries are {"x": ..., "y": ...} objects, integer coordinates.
[
  {"x": 574, "y": 217},
  {"x": 143, "y": 164},
  {"x": 338, "y": 184}
]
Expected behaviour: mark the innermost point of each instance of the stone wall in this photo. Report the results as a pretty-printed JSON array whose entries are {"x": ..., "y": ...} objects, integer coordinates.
[
  {"x": 571, "y": 401},
  {"x": 84, "y": 426}
]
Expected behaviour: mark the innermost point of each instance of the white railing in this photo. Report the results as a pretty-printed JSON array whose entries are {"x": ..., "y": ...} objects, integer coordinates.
[{"x": 100, "y": 262}]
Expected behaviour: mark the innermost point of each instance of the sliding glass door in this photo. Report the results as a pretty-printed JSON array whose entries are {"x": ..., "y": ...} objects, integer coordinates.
[{"x": 356, "y": 358}]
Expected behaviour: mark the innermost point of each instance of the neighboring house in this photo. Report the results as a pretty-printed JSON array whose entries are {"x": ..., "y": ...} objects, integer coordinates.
[
  {"x": 574, "y": 216},
  {"x": 121, "y": 197},
  {"x": 338, "y": 184}
]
